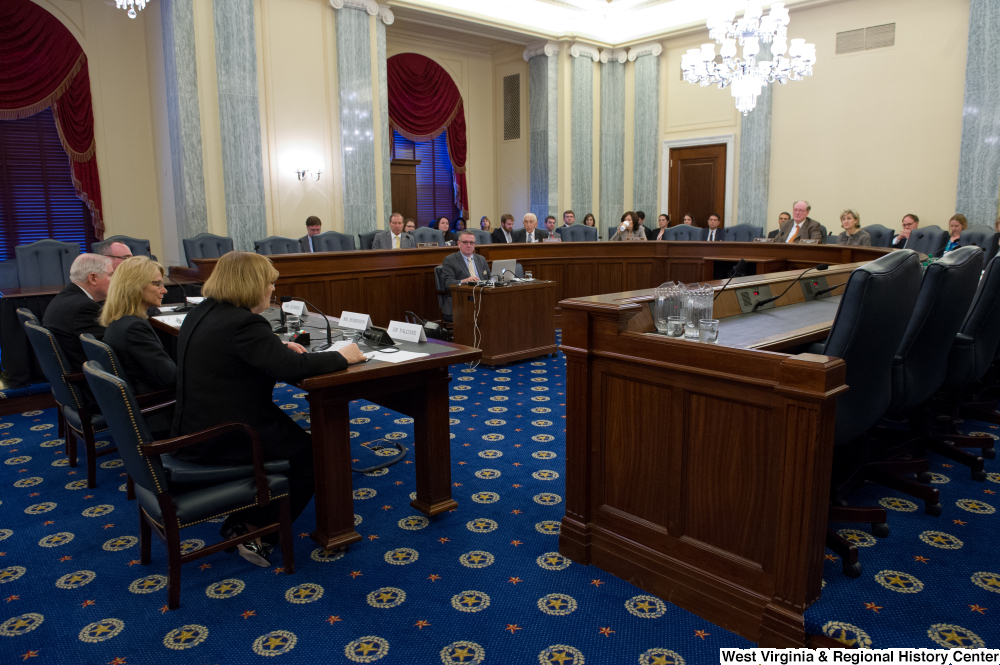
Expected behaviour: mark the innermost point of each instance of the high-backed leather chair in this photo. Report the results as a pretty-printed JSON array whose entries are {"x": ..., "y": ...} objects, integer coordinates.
[
  {"x": 277, "y": 245},
  {"x": 331, "y": 241},
  {"x": 982, "y": 237},
  {"x": 743, "y": 233},
  {"x": 8, "y": 274},
  {"x": 831, "y": 239},
  {"x": 578, "y": 233},
  {"x": 881, "y": 236},
  {"x": 205, "y": 246},
  {"x": 367, "y": 239},
  {"x": 45, "y": 262},
  {"x": 137, "y": 246},
  {"x": 927, "y": 240},
  {"x": 168, "y": 505},
  {"x": 427, "y": 234},
  {"x": 774, "y": 233},
  {"x": 482, "y": 237},
  {"x": 685, "y": 232},
  {"x": 443, "y": 294},
  {"x": 870, "y": 321}
]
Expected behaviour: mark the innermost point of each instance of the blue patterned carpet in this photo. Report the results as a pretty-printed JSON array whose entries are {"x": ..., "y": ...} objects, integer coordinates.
[{"x": 483, "y": 583}]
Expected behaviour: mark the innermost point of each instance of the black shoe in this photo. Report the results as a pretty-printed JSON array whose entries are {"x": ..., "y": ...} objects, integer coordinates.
[
  {"x": 231, "y": 530},
  {"x": 258, "y": 555}
]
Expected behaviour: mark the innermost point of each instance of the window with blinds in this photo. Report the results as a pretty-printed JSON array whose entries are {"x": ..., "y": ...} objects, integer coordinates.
[
  {"x": 435, "y": 177},
  {"x": 37, "y": 199}
]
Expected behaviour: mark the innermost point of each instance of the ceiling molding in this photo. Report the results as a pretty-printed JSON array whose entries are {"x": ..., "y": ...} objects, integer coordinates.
[{"x": 402, "y": 34}]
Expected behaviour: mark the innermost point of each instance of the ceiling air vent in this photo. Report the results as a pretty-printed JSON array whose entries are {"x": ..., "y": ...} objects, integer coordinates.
[
  {"x": 866, "y": 39},
  {"x": 512, "y": 107}
]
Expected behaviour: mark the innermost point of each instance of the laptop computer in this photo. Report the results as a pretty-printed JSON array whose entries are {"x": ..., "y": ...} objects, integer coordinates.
[{"x": 498, "y": 267}]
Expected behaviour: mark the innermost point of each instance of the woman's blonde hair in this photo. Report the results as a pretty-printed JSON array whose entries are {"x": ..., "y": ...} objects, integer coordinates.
[
  {"x": 960, "y": 218},
  {"x": 125, "y": 293},
  {"x": 240, "y": 278},
  {"x": 853, "y": 213}
]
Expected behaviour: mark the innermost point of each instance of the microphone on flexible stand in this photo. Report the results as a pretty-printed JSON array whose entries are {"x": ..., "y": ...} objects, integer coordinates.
[
  {"x": 329, "y": 332},
  {"x": 827, "y": 290},
  {"x": 821, "y": 266},
  {"x": 283, "y": 324},
  {"x": 738, "y": 271}
]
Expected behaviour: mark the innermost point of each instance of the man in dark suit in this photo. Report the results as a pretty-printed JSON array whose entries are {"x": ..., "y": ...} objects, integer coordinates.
[
  {"x": 530, "y": 232},
  {"x": 394, "y": 238},
  {"x": 465, "y": 265},
  {"x": 77, "y": 308},
  {"x": 715, "y": 233},
  {"x": 313, "y": 228},
  {"x": 910, "y": 224},
  {"x": 505, "y": 234},
  {"x": 800, "y": 226}
]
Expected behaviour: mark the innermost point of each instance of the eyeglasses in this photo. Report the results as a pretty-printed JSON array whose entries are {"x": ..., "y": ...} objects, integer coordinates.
[
  {"x": 466, "y": 242},
  {"x": 112, "y": 256},
  {"x": 158, "y": 283}
]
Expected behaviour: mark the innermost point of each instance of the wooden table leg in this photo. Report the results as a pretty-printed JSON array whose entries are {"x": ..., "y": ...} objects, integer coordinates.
[
  {"x": 432, "y": 446},
  {"x": 331, "y": 438}
]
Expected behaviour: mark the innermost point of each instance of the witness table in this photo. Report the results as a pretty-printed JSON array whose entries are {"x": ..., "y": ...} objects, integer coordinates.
[
  {"x": 416, "y": 388},
  {"x": 509, "y": 323}
]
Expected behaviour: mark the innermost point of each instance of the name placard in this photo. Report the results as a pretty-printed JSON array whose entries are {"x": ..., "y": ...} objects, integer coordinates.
[
  {"x": 294, "y": 307},
  {"x": 551, "y": 239},
  {"x": 411, "y": 332},
  {"x": 355, "y": 321}
]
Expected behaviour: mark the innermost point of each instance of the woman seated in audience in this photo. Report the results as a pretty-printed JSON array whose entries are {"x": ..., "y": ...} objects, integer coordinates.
[
  {"x": 137, "y": 286},
  {"x": 688, "y": 219},
  {"x": 956, "y": 225},
  {"x": 228, "y": 363},
  {"x": 663, "y": 222},
  {"x": 485, "y": 224},
  {"x": 459, "y": 224},
  {"x": 852, "y": 233},
  {"x": 629, "y": 230},
  {"x": 444, "y": 226},
  {"x": 409, "y": 225}
]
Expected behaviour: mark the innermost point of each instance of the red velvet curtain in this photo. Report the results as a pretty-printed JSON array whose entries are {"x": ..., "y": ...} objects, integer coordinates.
[
  {"x": 42, "y": 65},
  {"x": 423, "y": 102}
]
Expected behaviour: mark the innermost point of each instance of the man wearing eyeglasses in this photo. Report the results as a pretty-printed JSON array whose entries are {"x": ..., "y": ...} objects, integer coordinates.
[
  {"x": 117, "y": 252},
  {"x": 465, "y": 266}
]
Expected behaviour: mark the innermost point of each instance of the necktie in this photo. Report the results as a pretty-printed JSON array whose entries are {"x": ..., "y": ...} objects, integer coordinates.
[
  {"x": 711, "y": 235},
  {"x": 795, "y": 231},
  {"x": 395, "y": 242},
  {"x": 531, "y": 237},
  {"x": 472, "y": 267}
]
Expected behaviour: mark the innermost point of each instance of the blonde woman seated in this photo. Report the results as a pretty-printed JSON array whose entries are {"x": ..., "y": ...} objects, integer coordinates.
[
  {"x": 137, "y": 286},
  {"x": 956, "y": 225},
  {"x": 629, "y": 230},
  {"x": 852, "y": 233}
]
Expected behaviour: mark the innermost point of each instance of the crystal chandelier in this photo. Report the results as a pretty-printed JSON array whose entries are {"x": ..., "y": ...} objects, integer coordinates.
[
  {"x": 747, "y": 76},
  {"x": 131, "y": 4}
]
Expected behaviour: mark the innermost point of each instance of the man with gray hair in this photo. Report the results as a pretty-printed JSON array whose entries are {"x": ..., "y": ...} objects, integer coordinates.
[
  {"x": 77, "y": 308},
  {"x": 530, "y": 232},
  {"x": 801, "y": 226}
]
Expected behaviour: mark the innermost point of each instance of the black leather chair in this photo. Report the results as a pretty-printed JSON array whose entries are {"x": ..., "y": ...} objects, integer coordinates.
[
  {"x": 871, "y": 319},
  {"x": 68, "y": 392},
  {"x": 971, "y": 357},
  {"x": 277, "y": 245},
  {"x": 167, "y": 505},
  {"x": 45, "y": 262},
  {"x": 831, "y": 239},
  {"x": 773, "y": 234},
  {"x": 823, "y": 229},
  {"x": 331, "y": 241},
  {"x": 927, "y": 240},
  {"x": 443, "y": 294},
  {"x": 685, "y": 232},
  {"x": 425, "y": 234},
  {"x": 482, "y": 237},
  {"x": 367, "y": 239},
  {"x": 578, "y": 233},
  {"x": 881, "y": 235},
  {"x": 743, "y": 233},
  {"x": 205, "y": 246},
  {"x": 982, "y": 237},
  {"x": 137, "y": 246}
]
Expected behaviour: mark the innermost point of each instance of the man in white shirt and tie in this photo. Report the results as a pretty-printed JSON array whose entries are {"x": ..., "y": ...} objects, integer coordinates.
[
  {"x": 800, "y": 226},
  {"x": 394, "y": 238},
  {"x": 505, "y": 234},
  {"x": 715, "y": 234},
  {"x": 314, "y": 225},
  {"x": 465, "y": 266},
  {"x": 530, "y": 232}
]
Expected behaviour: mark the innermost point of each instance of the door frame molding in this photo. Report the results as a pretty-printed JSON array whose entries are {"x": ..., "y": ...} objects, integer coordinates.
[{"x": 728, "y": 139}]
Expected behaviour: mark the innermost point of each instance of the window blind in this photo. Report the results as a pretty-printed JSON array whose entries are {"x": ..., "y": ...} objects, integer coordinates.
[
  {"x": 37, "y": 198},
  {"x": 435, "y": 177}
]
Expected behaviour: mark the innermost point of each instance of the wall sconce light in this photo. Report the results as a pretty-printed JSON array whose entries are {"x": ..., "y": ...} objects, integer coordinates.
[{"x": 306, "y": 173}]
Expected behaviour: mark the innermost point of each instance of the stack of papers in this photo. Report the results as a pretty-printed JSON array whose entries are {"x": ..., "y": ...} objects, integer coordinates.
[{"x": 172, "y": 320}]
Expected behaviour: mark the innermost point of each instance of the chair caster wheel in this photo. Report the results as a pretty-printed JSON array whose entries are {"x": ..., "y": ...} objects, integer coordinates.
[
  {"x": 852, "y": 570},
  {"x": 989, "y": 453},
  {"x": 880, "y": 530},
  {"x": 933, "y": 509},
  {"x": 979, "y": 476},
  {"x": 924, "y": 477}
]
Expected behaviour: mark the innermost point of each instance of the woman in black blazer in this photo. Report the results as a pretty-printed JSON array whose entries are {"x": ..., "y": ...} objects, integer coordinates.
[
  {"x": 228, "y": 362},
  {"x": 137, "y": 286},
  {"x": 444, "y": 226}
]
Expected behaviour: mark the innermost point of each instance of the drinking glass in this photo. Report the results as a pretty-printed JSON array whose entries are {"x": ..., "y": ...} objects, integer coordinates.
[
  {"x": 527, "y": 275},
  {"x": 709, "y": 331},
  {"x": 675, "y": 326}
]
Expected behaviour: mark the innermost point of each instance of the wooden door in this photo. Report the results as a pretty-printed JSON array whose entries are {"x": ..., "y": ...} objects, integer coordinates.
[
  {"x": 403, "y": 179},
  {"x": 697, "y": 183}
]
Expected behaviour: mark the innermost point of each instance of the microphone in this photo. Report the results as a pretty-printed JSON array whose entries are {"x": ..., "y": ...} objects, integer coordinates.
[
  {"x": 821, "y": 266},
  {"x": 737, "y": 272},
  {"x": 283, "y": 324},
  {"x": 827, "y": 290},
  {"x": 329, "y": 332}
]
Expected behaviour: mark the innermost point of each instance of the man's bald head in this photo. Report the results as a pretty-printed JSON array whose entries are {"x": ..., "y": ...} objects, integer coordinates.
[{"x": 117, "y": 252}]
